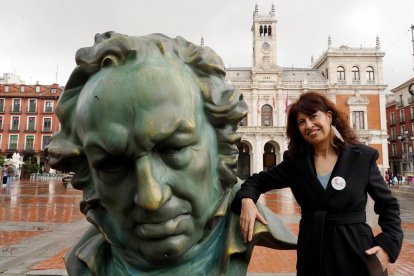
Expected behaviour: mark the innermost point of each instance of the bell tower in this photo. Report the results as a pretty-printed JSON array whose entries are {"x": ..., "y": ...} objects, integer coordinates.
[{"x": 264, "y": 39}]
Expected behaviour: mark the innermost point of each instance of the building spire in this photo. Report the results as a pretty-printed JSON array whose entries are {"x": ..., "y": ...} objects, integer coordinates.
[
  {"x": 202, "y": 42},
  {"x": 378, "y": 44},
  {"x": 329, "y": 41},
  {"x": 312, "y": 61},
  {"x": 256, "y": 9},
  {"x": 272, "y": 12}
]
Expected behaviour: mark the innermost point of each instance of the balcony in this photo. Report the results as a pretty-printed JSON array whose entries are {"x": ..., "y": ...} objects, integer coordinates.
[
  {"x": 47, "y": 129},
  {"x": 30, "y": 129},
  {"x": 410, "y": 100},
  {"x": 402, "y": 120},
  {"x": 400, "y": 104},
  {"x": 31, "y": 110},
  {"x": 392, "y": 122},
  {"x": 48, "y": 110},
  {"x": 14, "y": 129}
]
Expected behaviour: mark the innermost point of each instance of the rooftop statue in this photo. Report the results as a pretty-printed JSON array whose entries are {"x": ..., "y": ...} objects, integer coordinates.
[{"x": 148, "y": 125}]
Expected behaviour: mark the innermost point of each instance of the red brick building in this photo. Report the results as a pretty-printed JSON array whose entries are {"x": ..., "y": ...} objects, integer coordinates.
[
  {"x": 28, "y": 120},
  {"x": 400, "y": 127}
]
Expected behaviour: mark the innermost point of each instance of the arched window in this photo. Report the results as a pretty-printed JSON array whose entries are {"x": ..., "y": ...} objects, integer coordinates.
[
  {"x": 261, "y": 30},
  {"x": 340, "y": 73},
  {"x": 269, "y": 30},
  {"x": 355, "y": 73},
  {"x": 370, "y": 73},
  {"x": 267, "y": 115},
  {"x": 265, "y": 30}
]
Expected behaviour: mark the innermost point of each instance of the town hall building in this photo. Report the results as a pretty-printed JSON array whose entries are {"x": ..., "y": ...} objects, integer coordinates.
[{"x": 350, "y": 77}]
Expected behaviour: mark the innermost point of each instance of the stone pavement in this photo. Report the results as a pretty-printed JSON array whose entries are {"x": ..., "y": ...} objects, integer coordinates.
[{"x": 40, "y": 220}]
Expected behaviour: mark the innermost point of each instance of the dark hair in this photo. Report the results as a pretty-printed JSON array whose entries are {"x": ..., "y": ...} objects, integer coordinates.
[{"x": 308, "y": 104}]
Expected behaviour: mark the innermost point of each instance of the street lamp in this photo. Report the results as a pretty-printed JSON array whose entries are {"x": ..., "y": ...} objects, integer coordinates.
[{"x": 407, "y": 151}]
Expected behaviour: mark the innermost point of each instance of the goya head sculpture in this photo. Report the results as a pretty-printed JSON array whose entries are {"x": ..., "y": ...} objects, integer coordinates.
[{"x": 148, "y": 124}]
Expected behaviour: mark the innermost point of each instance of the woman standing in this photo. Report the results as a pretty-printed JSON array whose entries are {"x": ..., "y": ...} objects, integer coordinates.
[{"x": 330, "y": 174}]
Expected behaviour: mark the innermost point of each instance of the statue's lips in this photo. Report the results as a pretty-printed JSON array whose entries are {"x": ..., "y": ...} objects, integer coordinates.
[{"x": 171, "y": 227}]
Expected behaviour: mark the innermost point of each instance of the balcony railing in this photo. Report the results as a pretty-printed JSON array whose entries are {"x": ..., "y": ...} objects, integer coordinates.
[
  {"x": 402, "y": 120},
  {"x": 392, "y": 122}
]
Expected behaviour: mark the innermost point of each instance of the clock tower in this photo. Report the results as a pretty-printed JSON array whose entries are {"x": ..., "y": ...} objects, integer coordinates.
[{"x": 264, "y": 39}]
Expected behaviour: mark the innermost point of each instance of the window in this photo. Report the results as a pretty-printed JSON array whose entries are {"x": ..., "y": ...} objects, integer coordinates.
[
  {"x": 340, "y": 73},
  {"x": 267, "y": 115},
  {"x": 47, "y": 124},
  {"x": 13, "y": 141},
  {"x": 16, "y": 105},
  {"x": 48, "y": 106},
  {"x": 393, "y": 149},
  {"x": 393, "y": 137},
  {"x": 22, "y": 89},
  {"x": 1, "y": 105},
  {"x": 402, "y": 116},
  {"x": 412, "y": 113},
  {"x": 45, "y": 141},
  {"x": 15, "y": 123},
  {"x": 53, "y": 90},
  {"x": 37, "y": 88},
  {"x": 1, "y": 122},
  {"x": 355, "y": 73},
  {"x": 358, "y": 120},
  {"x": 392, "y": 118},
  {"x": 31, "y": 123},
  {"x": 29, "y": 142},
  {"x": 32, "y": 105},
  {"x": 6, "y": 89},
  {"x": 370, "y": 74}
]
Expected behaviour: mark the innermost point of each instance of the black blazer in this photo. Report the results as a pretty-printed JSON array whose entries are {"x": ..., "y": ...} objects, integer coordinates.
[{"x": 333, "y": 234}]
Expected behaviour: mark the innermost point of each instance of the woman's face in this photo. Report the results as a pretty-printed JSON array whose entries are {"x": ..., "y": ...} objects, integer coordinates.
[{"x": 315, "y": 128}]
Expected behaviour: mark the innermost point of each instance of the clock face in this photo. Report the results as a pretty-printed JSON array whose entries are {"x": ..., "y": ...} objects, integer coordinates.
[
  {"x": 266, "y": 47},
  {"x": 411, "y": 89}
]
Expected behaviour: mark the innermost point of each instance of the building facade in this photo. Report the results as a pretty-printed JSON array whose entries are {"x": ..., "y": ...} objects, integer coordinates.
[
  {"x": 350, "y": 77},
  {"x": 28, "y": 120},
  {"x": 400, "y": 125}
]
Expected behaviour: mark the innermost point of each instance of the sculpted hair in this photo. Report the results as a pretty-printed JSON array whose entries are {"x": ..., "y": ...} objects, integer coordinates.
[
  {"x": 223, "y": 104},
  {"x": 308, "y": 104}
]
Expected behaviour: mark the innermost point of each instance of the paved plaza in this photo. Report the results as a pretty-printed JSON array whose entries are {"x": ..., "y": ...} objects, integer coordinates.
[{"x": 40, "y": 220}]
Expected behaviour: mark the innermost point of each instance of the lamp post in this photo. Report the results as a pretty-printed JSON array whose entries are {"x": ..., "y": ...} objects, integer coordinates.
[{"x": 407, "y": 151}]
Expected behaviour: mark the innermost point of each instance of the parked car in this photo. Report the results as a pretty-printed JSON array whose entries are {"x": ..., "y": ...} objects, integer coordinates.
[{"x": 67, "y": 179}]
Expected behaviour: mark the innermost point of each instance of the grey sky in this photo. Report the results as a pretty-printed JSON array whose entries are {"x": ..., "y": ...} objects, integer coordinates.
[{"x": 39, "y": 35}]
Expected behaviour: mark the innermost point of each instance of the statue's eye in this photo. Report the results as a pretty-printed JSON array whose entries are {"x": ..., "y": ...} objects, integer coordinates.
[{"x": 109, "y": 60}]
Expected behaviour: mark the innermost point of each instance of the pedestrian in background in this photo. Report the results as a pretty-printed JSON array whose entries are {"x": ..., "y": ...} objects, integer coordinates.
[
  {"x": 4, "y": 174},
  {"x": 330, "y": 174},
  {"x": 10, "y": 174}
]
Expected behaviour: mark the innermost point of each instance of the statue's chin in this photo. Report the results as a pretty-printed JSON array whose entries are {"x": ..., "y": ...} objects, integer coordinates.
[{"x": 167, "y": 250}]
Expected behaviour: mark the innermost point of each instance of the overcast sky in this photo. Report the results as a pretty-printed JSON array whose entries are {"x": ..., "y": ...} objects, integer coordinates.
[{"x": 40, "y": 37}]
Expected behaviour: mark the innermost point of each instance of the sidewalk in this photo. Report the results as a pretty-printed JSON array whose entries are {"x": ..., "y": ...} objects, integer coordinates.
[{"x": 41, "y": 220}]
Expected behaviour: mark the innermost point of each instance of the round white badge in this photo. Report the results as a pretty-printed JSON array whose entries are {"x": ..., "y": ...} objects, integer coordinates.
[{"x": 338, "y": 183}]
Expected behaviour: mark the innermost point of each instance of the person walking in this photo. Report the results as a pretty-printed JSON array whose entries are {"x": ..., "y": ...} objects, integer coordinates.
[
  {"x": 330, "y": 174},
  {"x": 4, "y": 174},
  {"x": 10, "y": 174}
]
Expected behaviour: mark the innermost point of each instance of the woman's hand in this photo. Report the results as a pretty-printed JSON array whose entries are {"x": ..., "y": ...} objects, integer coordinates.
[
  {"x": 381, "y": 255},
  {"x": 248, "y": 216}
]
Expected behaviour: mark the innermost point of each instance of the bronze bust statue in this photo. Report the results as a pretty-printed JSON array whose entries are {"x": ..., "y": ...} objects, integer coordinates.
[{"x": 148, "y": 125}]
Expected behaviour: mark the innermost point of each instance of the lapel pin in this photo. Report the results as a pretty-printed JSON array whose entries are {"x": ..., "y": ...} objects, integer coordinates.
[{"x": 338, "y": 183}]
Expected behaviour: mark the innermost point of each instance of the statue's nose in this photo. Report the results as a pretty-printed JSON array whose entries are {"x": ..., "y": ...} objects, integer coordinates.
[{"x": 151, "y": 194}]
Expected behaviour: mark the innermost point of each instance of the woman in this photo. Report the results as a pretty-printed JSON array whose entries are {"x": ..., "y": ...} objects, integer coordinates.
[{"x": 330, "y": 174}]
